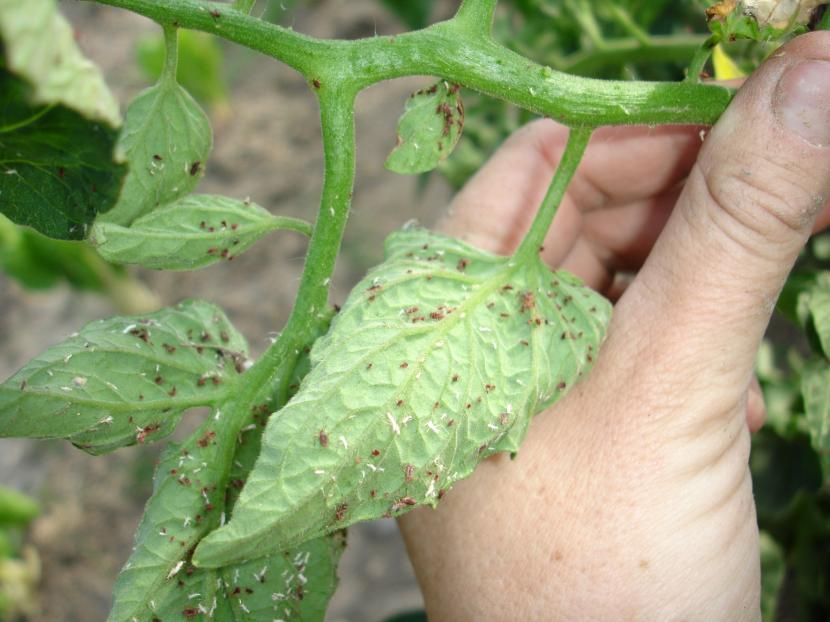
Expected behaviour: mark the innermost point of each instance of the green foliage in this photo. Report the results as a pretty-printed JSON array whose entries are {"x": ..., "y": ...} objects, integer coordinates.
[
  {"x": 125, "y": 380},
  {"x": 40, "y": 49},
  {"x": 438, "y": 359},
  {"x": 440, "y": 356},
  {"x": 428, "y": 130},
  {"x": 57, "y": 121},
  {"x": 193, "y": 232},
  {"x": 166, "y": 139}
]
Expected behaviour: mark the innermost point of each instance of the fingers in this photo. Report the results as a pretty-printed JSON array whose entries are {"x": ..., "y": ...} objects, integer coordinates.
[{"x": 702, "y": 301}]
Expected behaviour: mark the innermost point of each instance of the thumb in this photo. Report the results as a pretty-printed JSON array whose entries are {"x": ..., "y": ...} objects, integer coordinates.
[{"x": 699, "y": 307}]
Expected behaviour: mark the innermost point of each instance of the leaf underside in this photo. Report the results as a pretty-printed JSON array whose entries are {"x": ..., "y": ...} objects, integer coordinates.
[
  {"x": 166, "y": 139},
  {"x": 159, "y": 582},
  {"x": 195, "y": 487},
  {"x": 194, "y": 232},
  {"x": 125, "y": 380},
  {"x": 428, "y": 130},
  {"x": 439, "y": 358}
]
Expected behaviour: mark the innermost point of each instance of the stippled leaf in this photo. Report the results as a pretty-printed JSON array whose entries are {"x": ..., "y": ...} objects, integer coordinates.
[
  {"x": 124, "y": 380},
  {"x": 57, "y": 170},
  {"x": 40, "y": 48},
  {"x": 815, "y": 387},
  {"x": 195, "y": 488},
  {"x": 193, "y": 232},
  {"x": 428, "y": 130},
  {"x": 166, "y": 139},
  {"x": 160, "y": 582},
  {"x": 437, "y": 354}
]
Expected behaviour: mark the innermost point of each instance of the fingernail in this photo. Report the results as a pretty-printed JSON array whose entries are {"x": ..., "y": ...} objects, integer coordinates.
[{"x": 803, "y": 101}]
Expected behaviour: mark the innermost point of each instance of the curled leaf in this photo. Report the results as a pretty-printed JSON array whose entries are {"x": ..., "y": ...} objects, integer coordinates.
[
  {"x": 428, "y": 130},
  {"x": 439, "y": 358},
  {"x": 193, "y": 232}
]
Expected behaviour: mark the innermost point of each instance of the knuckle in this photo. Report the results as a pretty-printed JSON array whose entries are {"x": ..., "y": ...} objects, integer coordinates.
[{"x": 773, "y": 204}]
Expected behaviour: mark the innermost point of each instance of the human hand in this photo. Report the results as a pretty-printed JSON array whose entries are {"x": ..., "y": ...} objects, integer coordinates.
[{"x": 633, "y": 499}]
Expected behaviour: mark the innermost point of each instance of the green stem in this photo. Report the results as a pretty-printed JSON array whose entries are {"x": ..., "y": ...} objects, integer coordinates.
[
  {"x": 447, "y": 50},
  {"x": 477, "y": 15},
  {"x": 696, "y": 67},
  {"x": 171, "y": 53},
  {"x": 571, "y": 157},
  {"x": 311, "y": 310}
]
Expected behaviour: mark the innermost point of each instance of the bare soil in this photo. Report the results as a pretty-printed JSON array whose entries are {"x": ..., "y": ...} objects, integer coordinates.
[{"x": 269, "y": 149}]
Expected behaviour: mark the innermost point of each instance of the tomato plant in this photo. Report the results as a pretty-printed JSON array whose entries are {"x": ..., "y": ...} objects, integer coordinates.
[{"x": 440, "y": 356}]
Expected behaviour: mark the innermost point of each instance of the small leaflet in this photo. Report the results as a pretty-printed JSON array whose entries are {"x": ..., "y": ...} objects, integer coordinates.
[
  {"x": 428, "y": 130},
  {"x": 166, "y": 140},
  {"x": 194, "y": 232}
]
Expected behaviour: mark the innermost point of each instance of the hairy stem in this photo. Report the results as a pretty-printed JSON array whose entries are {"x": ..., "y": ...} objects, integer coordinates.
[
  {"x": 311, "y": 308},
  {"x": 571, "y": 157},
  {"x": 171, "y": 53},
  {"x": 477, "y": 15},
  {"x": 698, "y": 63},
  {"x": 447, "y": 50}
]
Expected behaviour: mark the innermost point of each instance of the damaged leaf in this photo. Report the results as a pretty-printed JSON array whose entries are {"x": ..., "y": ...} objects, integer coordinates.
[{"x": 439, "y": 358}]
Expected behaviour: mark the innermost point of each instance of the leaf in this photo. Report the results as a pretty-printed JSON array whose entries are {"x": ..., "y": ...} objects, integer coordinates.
[
  {"x": 159, "y": 580},
  {"x": 125, "y": 380},
  {"x": 195, "y": 488},
  {"x": 193, "y": 232},
  {"x": 166, "y": 139},
  {"x": 57, "y": 170},
  {"x": 435, "y": 356},
  {"x": 428, "y": 130},
  {"x": 815, "y": 387},
  {"x": 773, "y": 569},
  {"x": 40, "y": 47},
  {"x": 413, "y": 13}
]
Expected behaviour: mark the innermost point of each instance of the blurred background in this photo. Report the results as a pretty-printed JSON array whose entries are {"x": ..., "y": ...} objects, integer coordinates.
[{"x": 58, "y": 562}]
